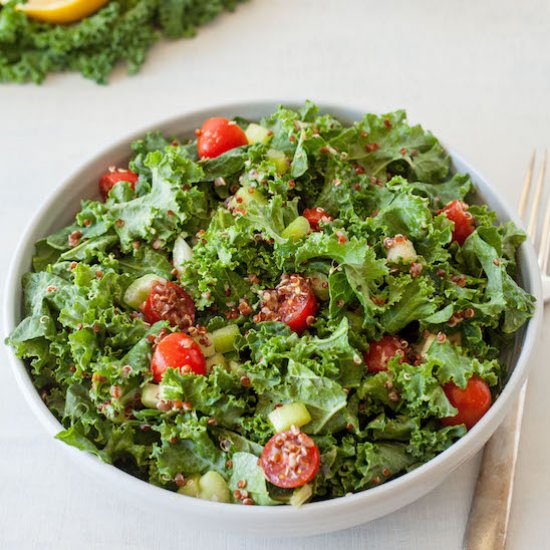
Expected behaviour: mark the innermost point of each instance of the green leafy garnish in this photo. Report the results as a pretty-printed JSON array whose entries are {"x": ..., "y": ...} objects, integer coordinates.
[{"x": 123, "y": 30}]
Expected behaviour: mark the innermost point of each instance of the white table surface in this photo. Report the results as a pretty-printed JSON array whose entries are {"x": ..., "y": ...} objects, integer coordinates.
[{"x": 476, "y": 73}]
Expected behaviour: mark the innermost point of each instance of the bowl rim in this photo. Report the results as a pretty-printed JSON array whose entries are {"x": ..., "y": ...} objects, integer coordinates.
[{"x": 452, "y": 457}]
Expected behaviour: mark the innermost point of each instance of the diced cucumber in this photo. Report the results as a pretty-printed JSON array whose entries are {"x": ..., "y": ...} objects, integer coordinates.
[
  {"x": 181, "y": 253},
  {"x": 212, "y": 486},
  {"x": 296, "y": 229},
  {"x": 279, "y": 161},
  {"x": 140, "y": 289},
  {"x": 246, "y": 195},
  {"x": 257, "y": 134},
  {"x": 236, "y": 368},
  {"x": 402, "y": 251},
  {"x": 224, "y": 338},
  {"x": 191, "y": 487},
  {"x": 206, "y": 344},
  {"x": 216, "y": 359},
  {"x": 150, "y": 395},
  {"x": 319, "y": 284},
  {"x": 291, "y": 414},
  {"x": 301, "y": 495}
]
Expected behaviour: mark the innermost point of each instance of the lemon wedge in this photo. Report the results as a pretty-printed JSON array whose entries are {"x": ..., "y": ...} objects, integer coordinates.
[{"x": 61, "y": 11}]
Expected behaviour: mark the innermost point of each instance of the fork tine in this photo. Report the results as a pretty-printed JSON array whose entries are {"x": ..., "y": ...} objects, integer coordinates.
[
  {"x": 527, "y": 187},
  {"x": 544, "y": 251},
  {"x": 532, "y": 227}
]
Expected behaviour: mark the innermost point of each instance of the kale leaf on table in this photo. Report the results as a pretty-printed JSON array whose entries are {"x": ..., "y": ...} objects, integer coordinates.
[{"x": 122, "y": 31}]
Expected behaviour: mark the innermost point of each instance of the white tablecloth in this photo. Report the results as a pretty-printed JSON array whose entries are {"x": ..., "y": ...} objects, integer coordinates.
[{"x": 476, "y": 73}]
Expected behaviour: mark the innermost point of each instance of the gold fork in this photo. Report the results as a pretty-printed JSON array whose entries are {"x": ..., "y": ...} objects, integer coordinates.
[{"x": 488, "y": 522}]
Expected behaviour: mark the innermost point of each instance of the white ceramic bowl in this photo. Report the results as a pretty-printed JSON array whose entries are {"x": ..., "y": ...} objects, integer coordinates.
[{"x": 318, "y": 517}]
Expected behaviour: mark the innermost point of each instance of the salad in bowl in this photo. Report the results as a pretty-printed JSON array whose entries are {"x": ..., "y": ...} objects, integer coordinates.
[{"x": 276, "y": 311}]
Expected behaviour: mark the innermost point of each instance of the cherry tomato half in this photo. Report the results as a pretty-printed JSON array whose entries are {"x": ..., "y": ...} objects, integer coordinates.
[
  {"x": 290, "y": 459},
  {"x": 380, "y": 353},
  {"x": 177, "y": 351},
  {"x": 314, "y": 216},
  {"x": 297, "y": 303},
  {"x": 218, "y": 135},
  {"x": 472, "y": 402},
  {"x": 169, "y": 302},
  {"x": 457, "y": 212},
  {"x": 111, "y": 178}
]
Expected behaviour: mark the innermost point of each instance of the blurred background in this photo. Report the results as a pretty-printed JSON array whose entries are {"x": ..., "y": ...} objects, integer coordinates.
[{"x": 475, "y": 73}]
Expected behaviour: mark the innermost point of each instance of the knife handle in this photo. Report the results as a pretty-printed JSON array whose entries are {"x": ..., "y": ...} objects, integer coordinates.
[{"x": 488, "y": 521}]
